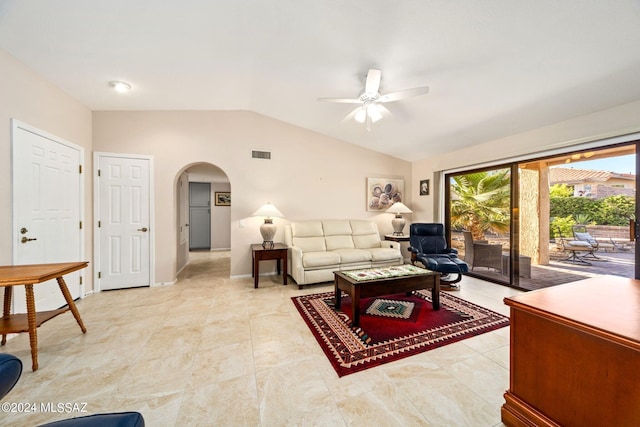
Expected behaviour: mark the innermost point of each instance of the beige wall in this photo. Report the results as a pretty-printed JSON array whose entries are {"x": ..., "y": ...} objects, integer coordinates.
[
  {"x": 27, "y": 97},
  {"x": 620, "y": 120},
  {"x": 309, "y": 175}
]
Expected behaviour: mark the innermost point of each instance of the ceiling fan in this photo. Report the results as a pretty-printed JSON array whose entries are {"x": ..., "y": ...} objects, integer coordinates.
[{"x": 370, "y": 109}]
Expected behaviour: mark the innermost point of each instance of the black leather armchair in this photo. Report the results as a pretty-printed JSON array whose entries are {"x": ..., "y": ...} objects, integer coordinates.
[
  {"x": 428, "y": 245},
  {"x": 10, "y": 371}
]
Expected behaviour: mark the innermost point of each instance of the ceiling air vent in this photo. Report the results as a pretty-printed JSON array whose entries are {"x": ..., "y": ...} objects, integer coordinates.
[{"x": 261, "y": 154}]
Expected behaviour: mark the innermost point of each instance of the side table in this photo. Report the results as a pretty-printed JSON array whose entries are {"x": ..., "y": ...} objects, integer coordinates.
[
  {"x": 396, "y": 238},
  {"x": 278, "y": 252},
  {"x": 28, "y": 276}
]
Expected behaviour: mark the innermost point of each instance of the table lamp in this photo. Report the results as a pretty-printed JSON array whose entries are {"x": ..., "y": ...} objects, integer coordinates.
[
  {"x": 268, "y": 229},
  {"x": 398, "y": 222}
]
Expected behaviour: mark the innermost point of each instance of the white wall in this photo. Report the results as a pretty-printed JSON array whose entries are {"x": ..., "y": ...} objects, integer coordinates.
[
  {"x": 621, "y": 120},
  {"x": 309, "y": 175},
  {"x": 27, "y": 97}
]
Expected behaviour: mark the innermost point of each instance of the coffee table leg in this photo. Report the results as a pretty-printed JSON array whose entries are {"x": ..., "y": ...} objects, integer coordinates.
[
  {"x": 355, "y": 306},
  {"x": 435, "y": 293},
  {"x": 71, "y": 303},
  {"x": 31, "y": 321},
  {"x": 337, "y": 295}
]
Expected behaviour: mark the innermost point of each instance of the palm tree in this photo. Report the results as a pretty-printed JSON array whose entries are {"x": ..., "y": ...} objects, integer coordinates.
[{"x": 480, "y": 202}]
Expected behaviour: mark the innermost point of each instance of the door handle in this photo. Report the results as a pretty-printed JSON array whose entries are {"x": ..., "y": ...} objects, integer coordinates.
[
  {"x": 25, "y": 239},
  {"x": 143, "y": 229}
]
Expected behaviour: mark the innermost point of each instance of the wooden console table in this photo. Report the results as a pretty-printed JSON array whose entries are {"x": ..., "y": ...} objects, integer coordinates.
[
  {"x": 29, "y": 275},
  {"x": 260, "y": 253},
  {"x": 575, "y": 353}
]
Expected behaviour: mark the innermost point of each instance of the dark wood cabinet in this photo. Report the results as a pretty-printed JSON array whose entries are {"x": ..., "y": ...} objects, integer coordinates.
[{"x": 575, "y": 355}]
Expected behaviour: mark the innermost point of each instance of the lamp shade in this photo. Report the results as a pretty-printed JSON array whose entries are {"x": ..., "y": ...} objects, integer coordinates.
[
  {"x": 268, "y": 211},
  {"x": 268, "y": 229},
  {"x": 399, "y": 208}
]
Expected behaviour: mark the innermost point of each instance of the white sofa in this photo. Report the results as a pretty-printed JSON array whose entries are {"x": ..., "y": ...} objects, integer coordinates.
[{"x": 318, "y": 248}]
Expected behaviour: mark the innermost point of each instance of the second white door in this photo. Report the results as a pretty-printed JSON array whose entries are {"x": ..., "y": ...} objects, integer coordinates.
[{"x": 124, "y": 221}]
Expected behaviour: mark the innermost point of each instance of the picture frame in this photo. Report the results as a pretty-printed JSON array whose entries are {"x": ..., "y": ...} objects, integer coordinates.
[
  {"x": 383, "y": 192},
  {"x": 222, "y": 198},
  {"x": 424, "y": 187}
]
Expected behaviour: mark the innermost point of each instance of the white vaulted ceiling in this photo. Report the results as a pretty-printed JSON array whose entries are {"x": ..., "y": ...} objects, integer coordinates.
[{"x": 493, "y": 67}]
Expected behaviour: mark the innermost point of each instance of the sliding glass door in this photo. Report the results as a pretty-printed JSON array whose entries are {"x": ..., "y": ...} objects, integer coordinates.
[{"x": 512, "y": 223}]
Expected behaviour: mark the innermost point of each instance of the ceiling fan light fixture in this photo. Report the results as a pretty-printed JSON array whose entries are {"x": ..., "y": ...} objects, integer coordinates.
[
  {"x": 361, "y": 115},
  {"x": 373, "y": 112}
]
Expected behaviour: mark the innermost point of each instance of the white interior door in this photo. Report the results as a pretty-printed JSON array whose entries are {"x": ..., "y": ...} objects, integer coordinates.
[
  {"x": 47, "y": 203},
  {"x": 124, "y": 221}
]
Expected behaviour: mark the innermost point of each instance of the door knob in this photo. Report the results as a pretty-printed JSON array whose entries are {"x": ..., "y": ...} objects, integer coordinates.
[
  {"x": 23, "y": 230},
  {"x": 143, "y": 229},
  {"x": 25, "y": 239}
]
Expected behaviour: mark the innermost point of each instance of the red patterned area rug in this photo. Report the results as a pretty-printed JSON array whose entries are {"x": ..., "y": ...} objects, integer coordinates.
[{"x": 391, "y": 327}]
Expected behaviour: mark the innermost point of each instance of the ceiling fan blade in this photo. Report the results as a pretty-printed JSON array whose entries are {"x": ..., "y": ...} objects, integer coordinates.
[
  {"x": 402, "y": 94},
  {"x": 373, "y": 81},
  {"x": 341, "y": 100},
  {"x": 384, "y": 110}
]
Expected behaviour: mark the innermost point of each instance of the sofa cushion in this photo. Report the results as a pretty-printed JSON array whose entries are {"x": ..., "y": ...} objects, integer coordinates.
[
  {"x": 360, "y": 227},
  {"x": 307, "y": 229},
  {"x": 367, "y": 241},
  {"x": 320, "y": 259},
  {"x": 353, "y": 255},
  {"x": 339, "y": 242},
  {"x": 385, "y": 254},
  {"x": 336, "y": 227},
  {"x": 310, "y": 244}
]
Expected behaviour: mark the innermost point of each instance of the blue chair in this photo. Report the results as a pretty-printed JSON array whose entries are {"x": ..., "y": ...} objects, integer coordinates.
[
  {"x": 428, "y": 245},
  {"x": 10, "y": 371}
]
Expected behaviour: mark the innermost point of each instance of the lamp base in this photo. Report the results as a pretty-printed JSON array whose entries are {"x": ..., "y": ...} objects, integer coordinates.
[
  {"x": 398, "y": 225},
  {"x": 268, "y": 230}
]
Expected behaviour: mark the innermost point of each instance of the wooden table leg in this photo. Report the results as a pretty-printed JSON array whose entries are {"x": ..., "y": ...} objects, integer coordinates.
[
  {"x": 256, "y": 271},
  {"x": 31, "y": 320},
  {"x": 337, "y": 295},
  {"x": 8, "y": 291},
  {"x": 435, "y": 293},
  {"x": 355, "y": 305},
  {"x": 71, "y": 303},
  {"x": 284, "y": 270}
]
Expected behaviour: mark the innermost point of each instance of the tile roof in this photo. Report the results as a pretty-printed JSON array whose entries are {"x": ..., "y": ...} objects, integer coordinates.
[{"x": 571, "y": 175}]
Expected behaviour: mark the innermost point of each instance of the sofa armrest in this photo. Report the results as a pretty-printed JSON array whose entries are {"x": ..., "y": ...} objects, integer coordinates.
[{"x": 390, "y": 244}]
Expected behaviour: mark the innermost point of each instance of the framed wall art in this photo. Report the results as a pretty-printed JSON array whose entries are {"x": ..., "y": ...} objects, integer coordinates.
[
  {"x": 223, "y": 198},
  {"x": 383, "y": 192},
  {"x": 424, "y": 187}
]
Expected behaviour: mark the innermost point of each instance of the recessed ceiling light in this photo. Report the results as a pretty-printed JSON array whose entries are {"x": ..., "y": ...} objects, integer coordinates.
[{"x": 120, "y": 87}]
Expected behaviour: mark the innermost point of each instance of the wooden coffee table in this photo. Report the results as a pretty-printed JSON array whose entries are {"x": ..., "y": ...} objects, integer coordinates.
[{"x": 358, "y": 289}]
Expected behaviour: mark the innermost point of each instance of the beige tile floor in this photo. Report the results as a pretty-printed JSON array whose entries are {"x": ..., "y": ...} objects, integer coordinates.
[{"x": 214, "y": 351}]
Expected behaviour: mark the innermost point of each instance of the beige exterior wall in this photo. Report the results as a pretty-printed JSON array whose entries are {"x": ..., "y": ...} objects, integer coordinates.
[
  {"x": 28, "y": 98},
  {"x": 309, "y": 175}
]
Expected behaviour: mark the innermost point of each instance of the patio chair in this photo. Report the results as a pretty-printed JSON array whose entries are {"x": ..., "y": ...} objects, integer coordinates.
[
  {"x": 428, "y": 245},
  {"x": 573, "y": 248},
  {"x": 480, "y": 253},
  {"x": 580, "y": 233}
]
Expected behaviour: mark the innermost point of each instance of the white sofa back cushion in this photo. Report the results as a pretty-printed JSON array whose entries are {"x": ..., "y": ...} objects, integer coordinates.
[
  {"x": 308, "y": 236},
  {"x": 337, "y": 234},
  {"x": 365, "y": 234}
]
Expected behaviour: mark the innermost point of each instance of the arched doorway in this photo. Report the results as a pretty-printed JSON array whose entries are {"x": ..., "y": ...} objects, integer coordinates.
[{"x": 214, "y": 220}]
